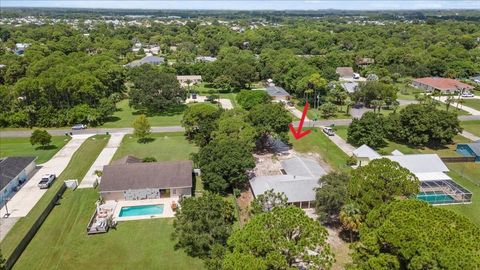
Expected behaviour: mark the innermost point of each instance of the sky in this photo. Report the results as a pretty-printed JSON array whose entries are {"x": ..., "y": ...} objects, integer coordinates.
[{"x": 250, "y": 5}]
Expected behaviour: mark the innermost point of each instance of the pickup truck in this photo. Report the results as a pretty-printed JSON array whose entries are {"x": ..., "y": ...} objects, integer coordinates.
[{"x": 46, "y": 181}]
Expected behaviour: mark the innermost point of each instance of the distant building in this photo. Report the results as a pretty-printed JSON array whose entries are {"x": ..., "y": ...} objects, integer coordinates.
[
  {"x": 443, "y": 85},
  {"x": 186, "y": 80},
  {"x": 21, "y": 47},
  {"x": 364, "y": 61},
  {"x": 153, "y": 60},
  {"x": 130, "y": 179},
  {"x": 13, "y": 172},
  {"x": 345, "y": 72},
  {"x": 205, "y": 59},
  {"x": 298, "y": 181},
  {"x": 277, "y": 93},
  {"x": 372, "y": 77},
  {"x": 350, "y": 87}
]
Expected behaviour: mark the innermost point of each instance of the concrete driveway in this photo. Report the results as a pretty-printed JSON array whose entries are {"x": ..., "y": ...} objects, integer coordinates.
[
  {"x": 25, "y": 199},
  {"x": 103, "y": 159},
  {"x": 460, "y": 106}
]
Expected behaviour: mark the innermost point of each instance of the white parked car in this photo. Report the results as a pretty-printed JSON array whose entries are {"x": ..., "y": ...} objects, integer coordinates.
[
  {"x": 468, "y": 94},
  {"x": 79, "y": 127},
  {"x": 328, "y": 131},
  {"x": 47, "y": 180}
]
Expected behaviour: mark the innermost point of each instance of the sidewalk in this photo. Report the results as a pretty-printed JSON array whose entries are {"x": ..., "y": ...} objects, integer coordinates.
[
  {"x": 460, "y": 106},
  {"x": 25, "y": 199},
  {"x": 342, "y": 144},
  {"x": 470, "y": 136},
  {"x": 103, "y": 158}
]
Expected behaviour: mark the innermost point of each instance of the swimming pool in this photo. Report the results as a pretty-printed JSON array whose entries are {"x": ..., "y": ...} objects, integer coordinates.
[
  {"x": 141, "y": 210},
  {"x": 435, "y": 197}
]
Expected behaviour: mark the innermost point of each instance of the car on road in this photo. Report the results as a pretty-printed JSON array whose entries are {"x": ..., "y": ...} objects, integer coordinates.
[
  {"x": 79, "y": 127},
  {"x": 47, "y": 181},
  {"x": 328, "y": 131},
  {"x": 468, "y": 94}
]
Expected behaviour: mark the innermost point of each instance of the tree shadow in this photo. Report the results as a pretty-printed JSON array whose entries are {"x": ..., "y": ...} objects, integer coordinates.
[
  {"x": 145, "y": 140},
  {"x": 112, "y": 119},
  {"x": 170, "y": 111},
  {"x": 47, "y": 147}
]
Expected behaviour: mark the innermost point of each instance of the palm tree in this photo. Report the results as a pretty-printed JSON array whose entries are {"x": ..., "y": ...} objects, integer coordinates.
[
  {"x": 395, "y": 106},
  {"x": 350, "y": 218},
  {"x": 448, "y": 101}
]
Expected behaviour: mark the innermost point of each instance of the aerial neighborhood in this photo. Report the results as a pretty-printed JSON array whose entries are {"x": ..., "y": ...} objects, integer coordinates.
[{"x": 229, "y": 139}]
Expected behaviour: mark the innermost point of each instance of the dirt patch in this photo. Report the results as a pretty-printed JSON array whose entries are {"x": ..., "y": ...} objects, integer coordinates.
[
  {"x": 340, "y": 248},
  {"x": 243, "y": 202}
]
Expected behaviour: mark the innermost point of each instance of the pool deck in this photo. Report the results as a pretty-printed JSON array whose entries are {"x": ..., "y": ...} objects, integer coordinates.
[{"x": 167, "y": 209}]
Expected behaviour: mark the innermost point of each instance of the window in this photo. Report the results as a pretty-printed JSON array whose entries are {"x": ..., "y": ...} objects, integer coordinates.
[{"x": 174, "y": 191}]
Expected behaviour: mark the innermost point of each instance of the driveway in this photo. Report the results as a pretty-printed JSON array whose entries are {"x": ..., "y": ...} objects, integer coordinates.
[
  {"x": 342, "y": 144},
  {"x": 296, "y": 112},
  {"x": 25, "y": 199},
  {"x": 103, "y": 159},
  {"x": 460, "y": 106},
  {"x": 470, "y": 136}
]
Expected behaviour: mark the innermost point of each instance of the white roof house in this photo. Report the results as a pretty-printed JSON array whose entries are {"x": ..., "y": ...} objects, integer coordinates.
[
  {"x": 365, "y": 151},
  {"x": 298, "y": 183}
]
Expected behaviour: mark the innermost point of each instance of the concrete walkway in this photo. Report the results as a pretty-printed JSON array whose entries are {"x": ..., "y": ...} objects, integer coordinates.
[
  {"x": 470, "y": 136},
  {"x": 25, "y": 199},
  {"x": 342, "y": 144},
  {"x": 460, "y": 106},
  {"x": 103, "y": 159}
]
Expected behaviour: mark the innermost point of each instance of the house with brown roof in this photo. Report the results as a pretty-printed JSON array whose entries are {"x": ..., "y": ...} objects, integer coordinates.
[
  {"x": 130, "y": 179},
  {"x": 345, "y": 72},
  {"x": 364, "y": 61},
  {"x": 443, "y": 85}
]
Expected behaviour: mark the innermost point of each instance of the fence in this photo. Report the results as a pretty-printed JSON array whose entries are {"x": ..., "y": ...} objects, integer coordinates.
[
  {"x": 457, "y": 159},
  {"x": 33, "y": 230}
]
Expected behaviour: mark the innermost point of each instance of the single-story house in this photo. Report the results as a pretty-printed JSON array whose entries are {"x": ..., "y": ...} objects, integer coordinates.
[
  {"x": 475, "y": 79},
  {"x": 21, "y": 47},
  {"x": 13, "y": 172},
  {"x": 186, "y": 80},
  {"x": 436, "y": 187},
  {"x": 154, "y": 60},
  {"x": 202, "y": 58},
  {"x": 129, "y": 179},
  {"x": 277, "y": 93},
  {"x": 364, "y": 61},
  {"x": 469, "y": 150},
  {"x": 299, "y": 180},
  {"x": 444, "y": 85},
  {"x": 345, "y": 72}
]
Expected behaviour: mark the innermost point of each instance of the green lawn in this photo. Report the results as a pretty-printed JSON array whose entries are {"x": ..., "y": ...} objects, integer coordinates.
[
  {"x": 76, "y": 169},
  {"x": 20, "y": 146},
  {"x": 125, "y": 115},
  {"x": 318, "y": 142},
  {"x": 472, "y": 103},
  {"x": 471, "y": 126},
  {"x": 62, "y": 242},
  {"x": 165, "y": 146}
]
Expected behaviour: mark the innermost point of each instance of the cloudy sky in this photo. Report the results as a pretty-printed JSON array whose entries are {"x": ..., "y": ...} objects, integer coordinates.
[{"x": 249, "y": 5}]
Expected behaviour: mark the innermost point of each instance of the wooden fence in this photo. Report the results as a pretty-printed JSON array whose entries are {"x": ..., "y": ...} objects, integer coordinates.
[{"x": 457, "y": 159}]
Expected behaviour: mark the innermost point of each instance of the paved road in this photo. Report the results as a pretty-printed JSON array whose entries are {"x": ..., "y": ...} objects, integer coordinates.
[
  {"x": 103, "y": 159},
  {"x": 59, "y": 132},
  {"x": 25, "y": 199},
  {"x": 469, "y": 117}
]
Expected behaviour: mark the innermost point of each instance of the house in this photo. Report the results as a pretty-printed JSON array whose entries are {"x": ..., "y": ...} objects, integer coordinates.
[
  {"x": 350, "y": 87},
  {"x": 186, "y": 80},
  {"x": 154, "y": 60},
  {"x": 364, "y": 154},
  {"x": 372, "y": 77},
  {"x": 21, "y": 47},
  {"x": 444, "y": 85},
  {"x": 277, "y": 93},
  {"x": 205, "y": 59},
  {"x": 13, "y": 172},
  {"x": 436, "y": 186},
  {"x": 129, "y": 179},
  {"x": 298, "y": 181},
  {"x": 136, "y": 47},
  {"x": 345, "y": 72},
  {"x": 469, "y": 150}
]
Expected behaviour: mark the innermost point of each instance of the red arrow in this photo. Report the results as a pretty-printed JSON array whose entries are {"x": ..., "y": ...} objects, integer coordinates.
[{"x": 298, "y": 133}]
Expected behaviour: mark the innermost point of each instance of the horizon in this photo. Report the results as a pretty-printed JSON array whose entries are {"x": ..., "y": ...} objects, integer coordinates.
[{"x": 265, "y": 5}]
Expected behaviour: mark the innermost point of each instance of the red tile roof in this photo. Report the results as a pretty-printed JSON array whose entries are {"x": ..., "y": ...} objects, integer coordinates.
[{"x": 443, "y": 83}]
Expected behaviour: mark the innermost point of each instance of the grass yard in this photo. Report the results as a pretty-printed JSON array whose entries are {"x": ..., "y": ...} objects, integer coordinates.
[
  {"x": 472, "y": 103},
  {"x": 20, "y": 146},
  {"x": 165, "y": 146},
  {"x": 62, "y": 242},
  {"x": 125, "y": 115},
  {"x": 318, "y": 142},
  {"x": 471, "y": 126},
  {"x": 76, "y": 169}
]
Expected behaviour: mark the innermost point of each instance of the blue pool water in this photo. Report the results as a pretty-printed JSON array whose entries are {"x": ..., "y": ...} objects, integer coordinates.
[
  {"x": 141, "y": 210},
  {"x": 435, "y": 198}
]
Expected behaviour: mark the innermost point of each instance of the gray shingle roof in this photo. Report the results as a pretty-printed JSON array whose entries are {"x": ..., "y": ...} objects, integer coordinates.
[
  {"x": 296, "y": 188},
  {"x": 366, "y": 151},
  {"x": 155, "y": 60},
  {"x": 127, "y": 176},
  {"x": 277, "y": 91},
  {"x": 11, "y": 167},
  {"x": 127, "y": 159}
]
